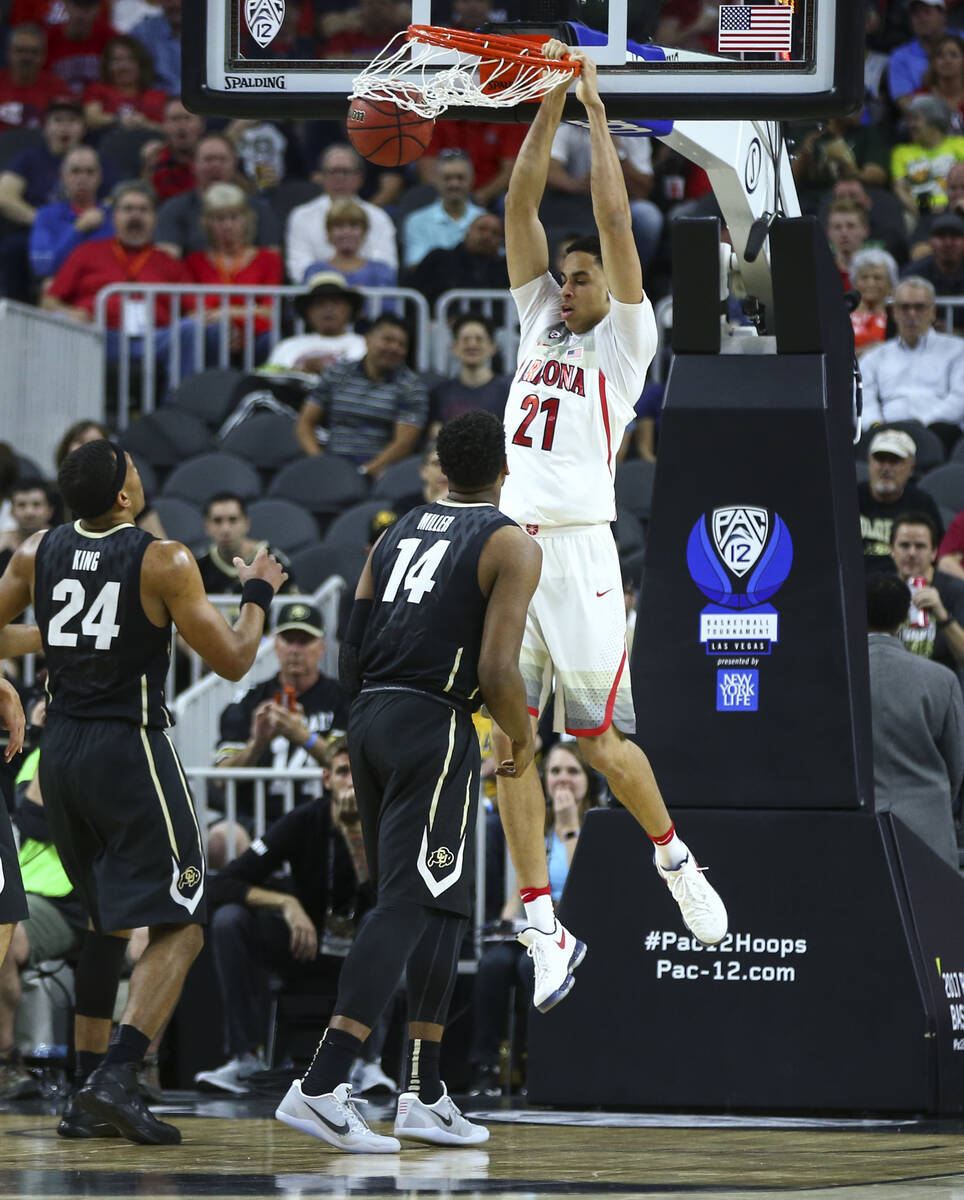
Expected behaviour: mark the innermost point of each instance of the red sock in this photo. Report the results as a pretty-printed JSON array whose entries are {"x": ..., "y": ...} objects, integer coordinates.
[{"x": 665, "y": 838}]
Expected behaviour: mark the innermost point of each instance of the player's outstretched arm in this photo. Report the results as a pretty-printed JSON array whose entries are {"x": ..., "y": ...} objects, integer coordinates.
[
  {"x": 610, "y": 203},
  {"x": 16, "y": 586},
  {"x": 171, "y": 585},
  {"x": 526, "y": 248},
  {"x": 512, "y": 561}
]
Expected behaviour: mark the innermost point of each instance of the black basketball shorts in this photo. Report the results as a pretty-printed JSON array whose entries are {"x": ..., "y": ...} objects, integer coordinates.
[
  {"x": 123, "y": 822},
  {"x": 415, "y": 762},
  {"x": 13, "y": 903}
]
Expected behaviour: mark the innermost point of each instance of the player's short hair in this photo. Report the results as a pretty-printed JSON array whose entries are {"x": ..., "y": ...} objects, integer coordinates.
[
  {"x": 915, "y": 518},
  {"x": 85, "y": 478},
  {"x": 222, "y": 498},
  {"x": 471, "y": 450},
  {"x": 336, "y": 746},
  {"x": 888, "y": 599},
  {"x": 586, "y": 245}
]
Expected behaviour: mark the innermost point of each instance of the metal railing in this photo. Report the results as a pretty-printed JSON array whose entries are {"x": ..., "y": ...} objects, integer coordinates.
[
  {"x": 264, "y": 779},
  {"x": 190, "y": 321},
  {"x": 499, "y": 310}
]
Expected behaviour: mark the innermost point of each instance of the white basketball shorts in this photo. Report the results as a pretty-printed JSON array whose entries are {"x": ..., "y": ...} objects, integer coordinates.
[{"x": 575, "y": 636}]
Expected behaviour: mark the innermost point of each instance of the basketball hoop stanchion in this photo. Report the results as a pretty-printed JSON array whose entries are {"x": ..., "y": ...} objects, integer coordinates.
[{"x": 490, "y": 71}]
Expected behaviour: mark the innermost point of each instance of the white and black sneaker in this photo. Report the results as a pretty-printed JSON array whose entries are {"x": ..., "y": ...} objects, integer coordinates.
[
  {"x": 441, "y": 1123},
  {"x": 554, "y": 957},
  {"x": 704, "y": 913},
  {"x": 335, "y": 1119}
]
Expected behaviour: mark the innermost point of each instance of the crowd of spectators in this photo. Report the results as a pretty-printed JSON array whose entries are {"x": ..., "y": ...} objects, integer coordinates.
[{"x": 105, "y": 177}]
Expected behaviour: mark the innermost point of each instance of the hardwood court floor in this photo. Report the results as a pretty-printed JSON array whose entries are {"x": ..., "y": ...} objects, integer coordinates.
[{"x": 674, "y": 1156}]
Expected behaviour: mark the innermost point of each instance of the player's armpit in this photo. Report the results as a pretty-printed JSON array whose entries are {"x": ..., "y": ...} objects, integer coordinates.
[
  {"x": 171, "y": 585},
  {"x": 16, "y": 583}
]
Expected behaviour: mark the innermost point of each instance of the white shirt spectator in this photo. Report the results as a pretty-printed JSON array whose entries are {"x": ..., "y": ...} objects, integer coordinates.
[
  {"x": 571, "y": 145},
  {"x": 306, "y": 239},
  {"x": 924, "y": 384},
  {"x": 291, "y": 352}
]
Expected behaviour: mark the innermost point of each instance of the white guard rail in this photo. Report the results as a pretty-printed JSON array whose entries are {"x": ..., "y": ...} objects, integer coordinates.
[
  {"x": 187, "y": 304},
  {"x": 264, "y": 779},
  {"x": 197, "y": 710},
  {"x": 495, "y": 305}
]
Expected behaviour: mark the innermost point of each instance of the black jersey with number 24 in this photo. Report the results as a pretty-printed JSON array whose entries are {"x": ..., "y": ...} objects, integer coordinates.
[
  {"x": 425, "y": 628},
  {"x": 105, "y": 659}
]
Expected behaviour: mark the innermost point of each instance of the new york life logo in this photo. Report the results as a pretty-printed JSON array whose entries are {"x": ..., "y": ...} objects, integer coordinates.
[{"x": 739, "y": 556}]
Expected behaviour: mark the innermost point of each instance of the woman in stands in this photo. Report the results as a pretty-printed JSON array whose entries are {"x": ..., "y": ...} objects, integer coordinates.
[
  {"x": 571, "y": 790},
  {"x": 124, "y": 96},
  {"x": 347, "y": 226},
  {"x": 945, "y": 77},
  {"x": 231, "y": 257},
  {"x": 873, "y": 274}
]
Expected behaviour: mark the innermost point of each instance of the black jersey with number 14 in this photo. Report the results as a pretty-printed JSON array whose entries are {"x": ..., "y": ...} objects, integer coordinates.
[
  {"x": 425, "y": 628},
  {"x": 105, "y": 659}
]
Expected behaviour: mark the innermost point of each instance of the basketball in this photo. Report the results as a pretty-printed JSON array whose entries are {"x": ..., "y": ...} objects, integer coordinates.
[{"x": 385, "y": 134}]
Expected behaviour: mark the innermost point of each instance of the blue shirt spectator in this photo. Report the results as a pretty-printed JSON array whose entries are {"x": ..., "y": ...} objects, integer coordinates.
[
  {"x": 161, "y": 36},
  {"x": 443, "y": 225},
  {"x": 908, "y": 63},
  {"x": 62, "y": 226},
  {"x": 372, "y": 274}
]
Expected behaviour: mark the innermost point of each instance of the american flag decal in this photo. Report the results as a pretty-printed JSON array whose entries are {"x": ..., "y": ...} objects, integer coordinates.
[{"x": 755, "y": 28}]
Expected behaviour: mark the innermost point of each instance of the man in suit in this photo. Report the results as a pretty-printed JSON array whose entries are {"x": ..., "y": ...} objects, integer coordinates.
[{"x": 918, "y": 725}]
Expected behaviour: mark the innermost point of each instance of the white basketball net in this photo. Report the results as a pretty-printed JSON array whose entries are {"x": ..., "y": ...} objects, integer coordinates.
[{"x": 400, "y": 74}]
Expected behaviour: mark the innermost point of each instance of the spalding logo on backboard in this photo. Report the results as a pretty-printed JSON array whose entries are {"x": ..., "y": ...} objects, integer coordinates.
[{"x": 264, "y": 18}]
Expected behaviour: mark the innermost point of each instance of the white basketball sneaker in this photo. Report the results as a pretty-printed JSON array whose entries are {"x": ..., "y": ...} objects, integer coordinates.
[
  {"x": 704, "y": 913},
  {"x": 554, "y": 957},
  {"x": 335, "y": 1119},
  {"x": 441, "y": 1123}
]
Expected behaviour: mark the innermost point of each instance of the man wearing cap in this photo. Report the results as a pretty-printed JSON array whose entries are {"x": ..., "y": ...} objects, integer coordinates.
[
  {"x": 891, "y": 458},
  {"x": 328, "y": 308},
  {"x": 918, "y": 375},
  {"x": 341, "y": 174},
  {"x": 227, "y": 524},
  {"x": 944, "y": 266},
  {"x": 908, "y": 63},
  {"x": 287, "y": 721}
]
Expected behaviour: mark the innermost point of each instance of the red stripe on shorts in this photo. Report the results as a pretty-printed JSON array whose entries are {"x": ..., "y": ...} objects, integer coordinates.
[{"x": 610, "y": 705}]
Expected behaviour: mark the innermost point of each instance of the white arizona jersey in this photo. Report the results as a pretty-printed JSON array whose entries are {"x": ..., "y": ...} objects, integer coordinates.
[{"x": 569, "y": 404}]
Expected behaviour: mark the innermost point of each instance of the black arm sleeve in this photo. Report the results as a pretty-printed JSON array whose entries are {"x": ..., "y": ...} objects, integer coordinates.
[{"x": 349, "y": 667}]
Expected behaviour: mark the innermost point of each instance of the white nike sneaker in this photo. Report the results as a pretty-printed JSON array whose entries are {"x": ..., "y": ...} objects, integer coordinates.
[
  {"x": 369, "y": 1077},
  {"x": 441, "y": 1123},
  {"x": 554, "y": 956},
  {"x": 704, "y": 913},
  {"x": 234, "y": 1076},
  {"x": 335, "y": 1119}
]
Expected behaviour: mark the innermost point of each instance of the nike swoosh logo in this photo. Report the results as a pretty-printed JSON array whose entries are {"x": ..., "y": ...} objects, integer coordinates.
[
  {"x": 341, "y": 1129},
  {"x": 605, "y": 593},
  {"x": 444, "y": 1120},
  {"x": 562, "y": 941}
]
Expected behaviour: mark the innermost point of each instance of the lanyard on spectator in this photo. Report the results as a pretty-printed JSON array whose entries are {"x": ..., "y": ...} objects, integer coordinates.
[{"x": 133, "y": 266}]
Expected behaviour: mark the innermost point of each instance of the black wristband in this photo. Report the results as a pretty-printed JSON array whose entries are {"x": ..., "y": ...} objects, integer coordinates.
[{"x": 260, "y": 592}]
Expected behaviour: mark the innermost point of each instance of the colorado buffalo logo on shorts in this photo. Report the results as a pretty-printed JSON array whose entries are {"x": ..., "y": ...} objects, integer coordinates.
[
  {"x": 189, "y": 878},
  {"x": 442, "y": 858}
]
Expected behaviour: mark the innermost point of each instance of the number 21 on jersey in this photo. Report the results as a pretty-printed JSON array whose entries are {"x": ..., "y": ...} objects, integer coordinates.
[
  {"x": 550, "y": 406},
  {"x": 99, "y": 621},
  {"x": 418, "y": 577}
]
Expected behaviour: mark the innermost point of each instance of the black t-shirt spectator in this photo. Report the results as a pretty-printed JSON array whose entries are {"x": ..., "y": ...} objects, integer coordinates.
[
  {"x": 221, "y": 578},
  {"x": 877, "y": 521},
  {"x": 451, "y": 398}
]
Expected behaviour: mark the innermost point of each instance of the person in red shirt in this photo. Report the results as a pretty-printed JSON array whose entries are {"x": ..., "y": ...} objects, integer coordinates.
[
  {"x": 369, "y": 28},
  {"x": 123, "y": 95},
  {"x": 847, "y": 229},
  {"x": 128, "y": 257},
  {"x": 74, "y": 48},
  {"x": 873, "y": 274},
  {"x": 25, "y": 88},
  {"x": 172, "y": 169},
  {"x": 46, "y": 12},
  {"x": 229, "y": 222}
]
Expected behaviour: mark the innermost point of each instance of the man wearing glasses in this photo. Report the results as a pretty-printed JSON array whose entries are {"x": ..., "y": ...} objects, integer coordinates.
[{"x": 919, "y": 375}]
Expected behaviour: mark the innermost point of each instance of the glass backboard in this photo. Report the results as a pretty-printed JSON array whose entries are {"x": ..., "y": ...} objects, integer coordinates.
[{"x": 696, "y": 59}]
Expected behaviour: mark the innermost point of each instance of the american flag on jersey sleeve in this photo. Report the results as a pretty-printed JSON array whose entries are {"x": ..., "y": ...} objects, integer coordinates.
[{"x": 755, "y": 27}]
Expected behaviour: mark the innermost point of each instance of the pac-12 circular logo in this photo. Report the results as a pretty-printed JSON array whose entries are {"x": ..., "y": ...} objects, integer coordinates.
[{"x": 739, "y": 555}]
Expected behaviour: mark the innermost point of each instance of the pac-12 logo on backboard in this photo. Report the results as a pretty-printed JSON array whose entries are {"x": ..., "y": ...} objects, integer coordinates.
[
  {"x": 264, "y": 18},
  {"x": 739, "y": 534},
  {"x": 739, "y": 540}
]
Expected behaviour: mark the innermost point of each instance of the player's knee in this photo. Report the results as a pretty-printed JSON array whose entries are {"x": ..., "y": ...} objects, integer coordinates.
[{"x": 598, "y": 750}]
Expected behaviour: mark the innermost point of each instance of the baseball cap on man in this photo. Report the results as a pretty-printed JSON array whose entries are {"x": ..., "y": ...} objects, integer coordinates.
[
  {"x": 893, "y": 441},
  {"x": 948, "y": 223},
  {"x": 306, "y": 617}
]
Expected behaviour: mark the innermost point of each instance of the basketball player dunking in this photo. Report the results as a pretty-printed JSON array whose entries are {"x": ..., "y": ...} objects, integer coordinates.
[
  {"x": 583, "y": 355},
  {"x": 106, "y": 594},
  {"x": 438, "y": 619}
]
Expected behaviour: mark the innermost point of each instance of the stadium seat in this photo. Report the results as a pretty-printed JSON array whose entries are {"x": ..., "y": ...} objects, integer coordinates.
[
  {"x": 265, "y": 440},
  {"x": 634, "y": 487},
  {"x": 122, "y": 148},
  {"x": 401, "y": 480},
  {"x": 148, "y": 475},
  {"x": 12, "y": 141},
  {"x": 27, "y": 468},
  {"x": 285, "y": 525},
  {"x": 957, "y": 454},
  {"x": 208, "y": 474},
  {"x": 632, "y": 566},
  {"x": 208, "y": 395},
  {"x": 352, "y": 526},
  {"x": 946, "y": 485},
  {"x": 324, "y": 485},
  {"x": 313, "y": 565},
  {"x": 930, "y": 448},
  {"x": 628, "y": 532},
  {"x": 182, "y": 521},
  {"x": 167, "y": 438}
]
